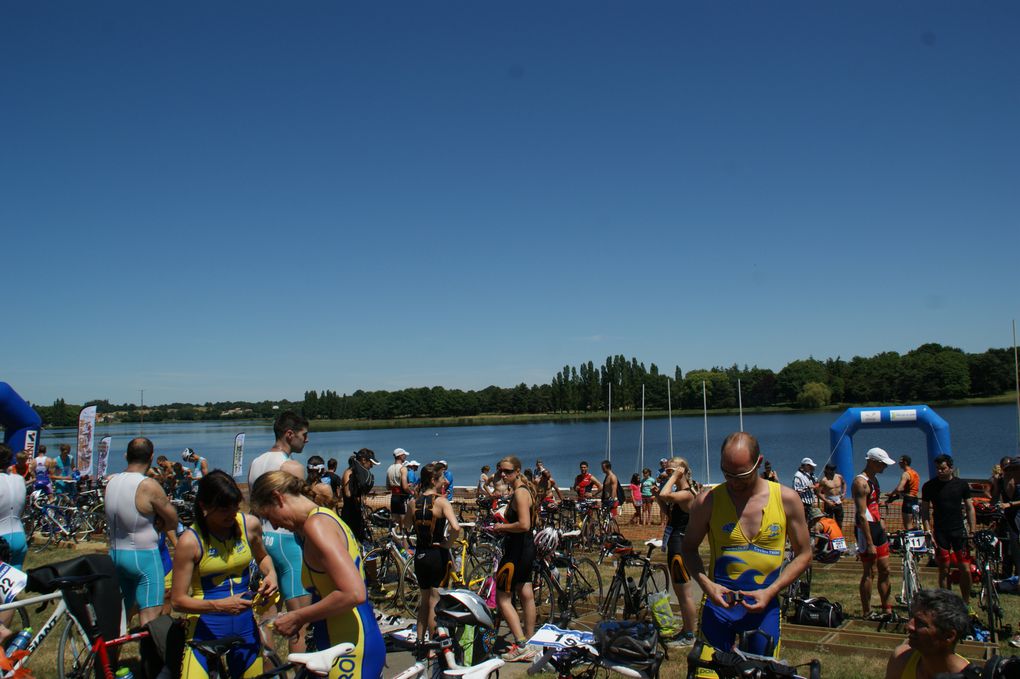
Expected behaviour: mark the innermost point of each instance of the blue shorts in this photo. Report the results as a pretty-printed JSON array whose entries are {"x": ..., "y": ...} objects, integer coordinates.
[
  {"x": 141, "y": 577},
  {"x": 720, "y": 627},
  {"x": 18, "y": 548},
  {"x": 245, "y": 661},
  {"x": 286, "y": 555}
]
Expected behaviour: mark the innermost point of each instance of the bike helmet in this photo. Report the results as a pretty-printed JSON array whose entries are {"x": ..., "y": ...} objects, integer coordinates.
[
  {"x": 546, "y": 542},
  {"x": 464, "y": 607},
  {"x": 499, "y": 513},
  {"x": 187, "y": 453}
]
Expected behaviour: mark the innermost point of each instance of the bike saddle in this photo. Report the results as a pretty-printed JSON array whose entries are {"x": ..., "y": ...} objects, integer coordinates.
[
  {"x": 320, "y": 662},
  {"x": 214, "y": 647},
  {"x": 74, "y": 580},
  {"x": 479, "y": 670},
  {"x": 654, "y": 542},
  {"x": 467, "y": 524},
  {"x": 571, "y": 533}
]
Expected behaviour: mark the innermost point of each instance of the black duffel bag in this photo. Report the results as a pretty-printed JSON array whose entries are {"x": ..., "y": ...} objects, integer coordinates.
[
  {"x": 630, "y": 643},
  {"x": 818, "y": 612}
]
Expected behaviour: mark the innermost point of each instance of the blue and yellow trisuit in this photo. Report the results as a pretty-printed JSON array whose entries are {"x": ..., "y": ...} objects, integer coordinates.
[
  {"x": 740, "y": 563},
  {"x": 222, "y": 573},
  {"x": 358, "y": 626}
]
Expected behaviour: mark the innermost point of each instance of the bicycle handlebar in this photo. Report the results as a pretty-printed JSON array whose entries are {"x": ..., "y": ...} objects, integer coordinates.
[{"x": 739, "y": 665}]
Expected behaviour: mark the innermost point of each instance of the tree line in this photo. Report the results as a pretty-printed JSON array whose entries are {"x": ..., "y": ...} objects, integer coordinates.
[{"x": 929, "y": 373}]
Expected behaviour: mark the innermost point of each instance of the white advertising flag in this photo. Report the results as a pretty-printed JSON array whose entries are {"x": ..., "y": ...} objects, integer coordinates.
[
  {"x": 86, "y": 434},
  {"x": 239, "y": 454},
  {"x": 102, "y": 456}
]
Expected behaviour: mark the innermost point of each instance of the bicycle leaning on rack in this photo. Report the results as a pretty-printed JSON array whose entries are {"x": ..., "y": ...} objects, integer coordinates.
[
  {"x": 566, "y": 587},
  {"x": 987, "y": 552},
  {"x": 911, "y": 545},
  {"x": 633, "y": 591}
]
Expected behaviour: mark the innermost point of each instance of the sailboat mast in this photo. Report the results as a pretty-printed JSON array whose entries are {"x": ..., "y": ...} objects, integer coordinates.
[
  {"x": 669, "y": 406},
  {"x": 609, "y": 433},
  {"x": 1016, "y": 372},
  {"x": 641, "y": 446},
  {"x": 704, "y": 407},
  {"x": 740, "y": 404}
]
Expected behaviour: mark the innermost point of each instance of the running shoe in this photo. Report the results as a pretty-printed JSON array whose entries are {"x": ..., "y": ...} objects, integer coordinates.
[{"x": 519, "y": 654}]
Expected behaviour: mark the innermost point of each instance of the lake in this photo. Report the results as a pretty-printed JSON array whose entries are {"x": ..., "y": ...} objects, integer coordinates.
[{"x": 980, "y": 436}]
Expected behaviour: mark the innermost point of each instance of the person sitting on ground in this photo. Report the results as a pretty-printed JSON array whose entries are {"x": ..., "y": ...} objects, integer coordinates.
[{"x": 938, "y": 622}]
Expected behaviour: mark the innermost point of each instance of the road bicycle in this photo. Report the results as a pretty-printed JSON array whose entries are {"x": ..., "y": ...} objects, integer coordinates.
[
  {"x": 627, "y": 589},
  {"x": 383, "y": 567},
  {"x": 739, "y": 664},
  {"x": 83, "y": 650},
  {"x": 312, "y": 664},
  {"x": 566, "y": 588},
  {"x": 987, "y": 552},
  {"x": 581, "y": 661},
  {"x": 473, "y": 556},
  {"x": 911, "y": 546},
  {"x": 597, "y": 524}
]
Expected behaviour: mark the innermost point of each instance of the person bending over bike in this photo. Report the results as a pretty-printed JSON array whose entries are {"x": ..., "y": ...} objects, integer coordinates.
[
  {"x": 332, "y": 571},
  {"x": 431, "y": 515},
  {"x": 212, "y": 560},
  {"x": 938, "y": 622},
  {"x": 514, "y": 573}
]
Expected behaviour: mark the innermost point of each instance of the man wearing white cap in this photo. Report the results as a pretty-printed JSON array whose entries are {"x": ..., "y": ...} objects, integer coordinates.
[
  {"x": 872, "y": 541},
  {"x": 400, "y": 489},
  {"x": 804, "y": 483}
]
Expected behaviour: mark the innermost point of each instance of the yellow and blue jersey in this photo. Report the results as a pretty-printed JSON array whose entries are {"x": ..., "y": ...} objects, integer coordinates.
[{"x": 358, "y": 626}]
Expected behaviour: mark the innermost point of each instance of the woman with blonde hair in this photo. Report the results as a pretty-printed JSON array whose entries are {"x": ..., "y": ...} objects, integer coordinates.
[
  {"x": 675, "y": 498},
  {"x": 514, "y": 573},
  {"x": 431, "y": 514},
  {"x": 332, "y": 571}
]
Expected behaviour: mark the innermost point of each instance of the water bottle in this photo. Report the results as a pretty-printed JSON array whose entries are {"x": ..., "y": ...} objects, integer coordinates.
[
  {"x": 124, "y": 673},
  {"x": 20, "y": 641},
  {"x": 555, "y": 573},
  {"x": 632, "y": 587}
]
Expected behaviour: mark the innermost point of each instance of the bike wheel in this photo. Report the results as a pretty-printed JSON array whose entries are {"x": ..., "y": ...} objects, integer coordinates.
[
  {"x": 657, "y": 581},
  {"x": 910, "y": 584},
  {"x": 481, "y": 553},
  {"x": 609, "y": 605},
  {"x": 545, "y": 596},
  {"x": 75, "y": 658},
  {"x": 408, "y": 591},
  {"x": 588, "y": 540},
  {"x": 989, "y": 600},
  {"x": 584, "y": 591}
]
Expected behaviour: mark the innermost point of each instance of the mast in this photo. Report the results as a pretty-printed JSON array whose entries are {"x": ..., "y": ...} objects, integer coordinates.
[
  {"x": 1016, "y": 372},
  {"x": 609, "y": 432},
  {"x": 641, "y": 444},
  {"x": 704, "y": 407},
  {"x": 740, "y": 404},
  {"x": 669, "y": 406}
]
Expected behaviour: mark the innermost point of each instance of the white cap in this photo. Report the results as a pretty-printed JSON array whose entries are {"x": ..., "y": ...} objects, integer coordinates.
[
  {"x": 412, "y": 463},
  {"x": 808, "y": 461},
  {"x": 880, "y": 455},
  {"x": 398, "y": 452},
  {"x": 443, "y": 462}
]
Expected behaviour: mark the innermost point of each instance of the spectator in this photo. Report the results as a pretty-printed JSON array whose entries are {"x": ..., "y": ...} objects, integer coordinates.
[
  {"x": 804, "y": 483},
  {"x": 938, "y": 622}
]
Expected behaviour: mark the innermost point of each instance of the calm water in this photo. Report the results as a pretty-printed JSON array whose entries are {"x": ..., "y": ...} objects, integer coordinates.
[{"x": 980, "y": 436}]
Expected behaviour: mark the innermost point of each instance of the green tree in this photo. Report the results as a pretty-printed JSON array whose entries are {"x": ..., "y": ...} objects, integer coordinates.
[
  {"x": 814, "y": 395},
  {"x": 796, "y": 374}
]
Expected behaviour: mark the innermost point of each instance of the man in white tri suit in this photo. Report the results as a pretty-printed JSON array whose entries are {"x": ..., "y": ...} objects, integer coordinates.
[
  {"x": 135, "y": 504},
  {"x": 291, "y": 432}
]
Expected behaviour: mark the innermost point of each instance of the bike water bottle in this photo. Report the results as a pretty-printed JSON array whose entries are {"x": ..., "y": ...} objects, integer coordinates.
[
  {"x": 20, "y": 641},
  {"x": 124, "y": 673},
  {"x": 631, "y": 586}
]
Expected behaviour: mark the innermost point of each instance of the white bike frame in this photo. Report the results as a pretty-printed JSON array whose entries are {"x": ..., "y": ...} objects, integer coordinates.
[{"x": 40, "y": 636}]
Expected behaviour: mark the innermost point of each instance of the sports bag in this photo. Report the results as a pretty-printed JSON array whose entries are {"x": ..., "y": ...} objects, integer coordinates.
[
  {"x": 630, "y": 643},
  {"x": 818, "y": 612}
]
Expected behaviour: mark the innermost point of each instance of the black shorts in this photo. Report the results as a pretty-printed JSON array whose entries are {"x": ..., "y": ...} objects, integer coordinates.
[
  {"x": 398, "y": 504},
  {"x": 951, "y": 540},
  {"x": 675, "y": 561},
  {"x": 911, "y": 506},
  {"x": 515, "y": 568},
  {"x": 351, "y": 514},
  {"x": 432, "y": 567}
]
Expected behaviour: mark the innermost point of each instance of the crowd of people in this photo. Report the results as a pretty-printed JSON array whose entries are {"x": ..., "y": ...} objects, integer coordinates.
[{"x": 299, "y": 548}]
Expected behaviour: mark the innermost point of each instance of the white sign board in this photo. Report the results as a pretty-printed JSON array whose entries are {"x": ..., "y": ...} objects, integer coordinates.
[
  {"x": 871, "y": 416},
  {"x": 903, "y": 415}
]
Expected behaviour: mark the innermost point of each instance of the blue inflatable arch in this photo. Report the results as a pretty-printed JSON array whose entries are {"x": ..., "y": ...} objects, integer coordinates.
[
  {"x": 21, "y": 422},
  {"x": 841, "y": 433}
]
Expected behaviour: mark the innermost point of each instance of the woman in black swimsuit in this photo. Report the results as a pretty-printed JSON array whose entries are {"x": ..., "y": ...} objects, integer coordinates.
[{"x": 432, "y": 513}]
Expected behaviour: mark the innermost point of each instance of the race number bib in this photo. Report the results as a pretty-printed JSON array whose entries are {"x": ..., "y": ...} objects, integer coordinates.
[
  {"x": 839, "y": 544},
  {"x": 551, "y": 635},
  {"x": 12, "y": 582}
]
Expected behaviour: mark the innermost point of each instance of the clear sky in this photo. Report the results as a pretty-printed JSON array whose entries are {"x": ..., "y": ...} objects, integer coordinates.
[{"x": 217, "y": 201}]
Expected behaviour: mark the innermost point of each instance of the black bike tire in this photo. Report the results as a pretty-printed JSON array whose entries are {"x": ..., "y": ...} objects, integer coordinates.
[
  {"x": 587, "y": 572},
  {"x": 658, "y": 580},
  {"x": 408, "y": 591},
  {"x": 74, "y": 650},
  {"x": 546, "y": 596},
  {"x": 609, "y": 604},
  {"x": 991, "y": 597}
]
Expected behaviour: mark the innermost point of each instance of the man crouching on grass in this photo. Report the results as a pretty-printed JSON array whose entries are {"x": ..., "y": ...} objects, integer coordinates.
[{"x": 938, "y": 621}]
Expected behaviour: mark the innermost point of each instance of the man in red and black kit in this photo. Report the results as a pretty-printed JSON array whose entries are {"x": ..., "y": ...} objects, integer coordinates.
[
  {"x": 872, "y": 541},
  {"x": 585, "y": 484},
  {"x": 948, "y": 496}
]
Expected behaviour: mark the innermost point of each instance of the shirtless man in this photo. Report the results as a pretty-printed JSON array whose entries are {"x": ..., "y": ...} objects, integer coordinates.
[
  {"x": 610, "y": 489},
  {"x": 832, "y": 488}
]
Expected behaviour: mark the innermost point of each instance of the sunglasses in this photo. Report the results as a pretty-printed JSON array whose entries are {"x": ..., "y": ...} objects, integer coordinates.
[
  {"x": 501, "y": 470},
  {"x": 743, "y": 475}
]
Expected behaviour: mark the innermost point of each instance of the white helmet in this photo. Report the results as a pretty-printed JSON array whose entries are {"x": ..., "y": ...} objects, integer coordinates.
[
  {"x": 462, "y": 606},
  {"x": 546, "y": 542}
]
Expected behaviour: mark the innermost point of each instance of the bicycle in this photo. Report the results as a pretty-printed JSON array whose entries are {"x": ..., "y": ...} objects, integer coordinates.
[
  {"x": 911, "y": 545},
  {"x": 986, "y": 547},
  {"x": 83, "y": 650},
  {"x": 565, "y": 588},
  {"x": 472, "y": 562},
  {"x": 565, "y": 660},
  {"x": 652, "y": 578},
  {"x": 384, "y": 565},
  {"x": 597, "y": 525},
  {"x": 315, "y": 663},
  {"x": 456, "y": 610},
  {"x": 739, "y": 664}
]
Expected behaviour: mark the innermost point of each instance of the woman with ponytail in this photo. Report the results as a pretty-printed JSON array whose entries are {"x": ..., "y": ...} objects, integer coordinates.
[
  {"x": 331, "y": 570},
  {"x": 514, "y": 574},
  {"x": 432, "y": 514},
  {"x": 676, "y": 497}
]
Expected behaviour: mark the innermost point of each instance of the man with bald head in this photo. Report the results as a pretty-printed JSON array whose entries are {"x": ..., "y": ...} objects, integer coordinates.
[{"x": 747, "y": 520}]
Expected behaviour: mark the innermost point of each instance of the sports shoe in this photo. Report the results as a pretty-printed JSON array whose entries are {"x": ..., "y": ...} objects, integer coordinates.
[
  {"x": 1015, "y": 641},
  {"x": 519, "y": 654},
  {"x": 685, "y": 639}
]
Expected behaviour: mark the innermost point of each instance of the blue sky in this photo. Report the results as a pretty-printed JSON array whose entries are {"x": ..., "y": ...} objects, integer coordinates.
[{"x": 218, "y": 201}]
